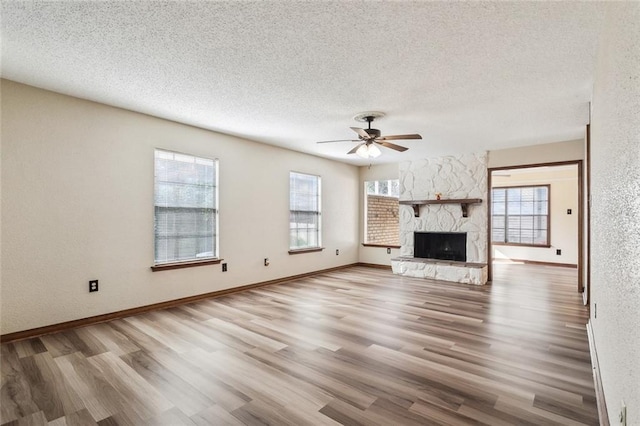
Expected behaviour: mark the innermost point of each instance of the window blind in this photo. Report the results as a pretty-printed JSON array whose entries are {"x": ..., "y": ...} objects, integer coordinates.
[
  {"x": 520, "y": 215},
  {"x": 186, "y": 210},
  {"x": 304, "y": 211}
]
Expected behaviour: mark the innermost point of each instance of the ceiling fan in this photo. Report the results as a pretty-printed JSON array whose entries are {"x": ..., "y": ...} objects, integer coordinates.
[{"x": 369, "y": 137}]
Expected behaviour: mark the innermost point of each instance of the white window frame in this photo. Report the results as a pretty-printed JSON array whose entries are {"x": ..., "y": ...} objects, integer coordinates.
[
  {"x": 546, "y": 217},
  {"x": 198, "y": 258},
  {"x": 318, "y": 212}
]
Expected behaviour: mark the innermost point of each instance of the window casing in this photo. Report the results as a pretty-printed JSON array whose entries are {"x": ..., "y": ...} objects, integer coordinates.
[
  {"x": 186, "y": 208},
  {"x": 382, "y": 223},
  {"x": 304, "y": 211},
  {"x": 520, "y": 215}
]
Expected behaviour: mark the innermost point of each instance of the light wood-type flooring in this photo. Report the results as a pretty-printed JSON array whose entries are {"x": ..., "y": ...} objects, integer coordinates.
[{"x": 354, "y": 346}]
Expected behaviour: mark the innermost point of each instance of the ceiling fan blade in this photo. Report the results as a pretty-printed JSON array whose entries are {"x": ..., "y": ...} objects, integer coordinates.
[
  {"x": 397, "y": 137},
  {"x": 392, "y": 145},
  {"x": 364, "y": 135},
  {"x": 341, "y": 140},
  {"x": 353, "y": 151}
]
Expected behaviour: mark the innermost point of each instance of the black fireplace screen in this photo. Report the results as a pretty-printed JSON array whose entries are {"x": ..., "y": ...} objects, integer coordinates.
[{"x": 440, "y": 245}]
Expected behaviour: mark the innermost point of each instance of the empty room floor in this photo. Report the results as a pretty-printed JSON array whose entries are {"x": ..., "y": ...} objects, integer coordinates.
[{"x": 353, "y": 346}]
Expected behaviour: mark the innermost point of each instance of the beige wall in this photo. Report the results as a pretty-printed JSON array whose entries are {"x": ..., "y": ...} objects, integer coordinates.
[
  {"x": 615, "y": 207},
  {"x": 537, "y": 154},
  {"x": 374, "y": 255},
  {"x": 564, "y": 227},
  {"x": 77, "y": 204}
]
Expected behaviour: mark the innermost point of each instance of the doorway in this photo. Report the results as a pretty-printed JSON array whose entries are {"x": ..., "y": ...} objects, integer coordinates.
[{"x": 536, "y": 214}]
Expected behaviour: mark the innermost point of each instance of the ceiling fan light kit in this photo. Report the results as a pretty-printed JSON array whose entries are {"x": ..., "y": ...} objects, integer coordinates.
[
  {"x": 368, "y": 151},
  {"x": 369, "y": 138}
]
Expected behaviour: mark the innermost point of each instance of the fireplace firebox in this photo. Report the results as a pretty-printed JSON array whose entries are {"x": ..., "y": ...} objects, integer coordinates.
[{"x": 440, "y": 245}]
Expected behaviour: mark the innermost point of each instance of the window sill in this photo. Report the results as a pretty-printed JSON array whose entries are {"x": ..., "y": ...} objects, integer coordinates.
[
  {"x": 381, "y": 245},
  {"x": 187, "y": 264},
  {"x": 306, "y": 250},
  {"x": 522, "y": 245}
]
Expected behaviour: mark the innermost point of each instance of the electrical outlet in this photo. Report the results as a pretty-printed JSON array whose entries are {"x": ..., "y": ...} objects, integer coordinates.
[
  {"x": 224, "y": 267},
  {"x": 559, "y": 252},
  {"x": 93, "y": 286},
  {"x": 388, "y": 250},
  {"x": 266, "y": 261},
  {"x": 337, "y": 252},
  {"x": 623, "y": 415},
  {"x": 568, "y": 211}
]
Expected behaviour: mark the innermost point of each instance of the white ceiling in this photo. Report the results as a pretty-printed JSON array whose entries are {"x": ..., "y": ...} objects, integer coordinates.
[{"x": 467, "y": 76}]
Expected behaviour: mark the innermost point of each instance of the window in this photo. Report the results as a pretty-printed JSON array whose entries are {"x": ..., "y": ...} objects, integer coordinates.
[
  {"x": 186, "y": 208},
  {"x": 304, "y": 211},
  {"x": 520, "y": 215},
  {"x": 382, "y": 225}
]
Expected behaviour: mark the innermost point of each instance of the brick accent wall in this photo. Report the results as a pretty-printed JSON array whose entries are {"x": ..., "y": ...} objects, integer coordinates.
[{"x": 383, "y": 225}]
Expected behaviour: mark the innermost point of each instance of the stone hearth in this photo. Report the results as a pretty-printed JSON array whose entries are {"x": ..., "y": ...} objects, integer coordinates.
[{"x": 459, "y": 272}]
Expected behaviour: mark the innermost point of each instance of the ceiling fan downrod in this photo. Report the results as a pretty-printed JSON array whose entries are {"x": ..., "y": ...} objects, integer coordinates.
[
  {"x": 369, "y": 119},
  {"x": 373, "y": 133}
]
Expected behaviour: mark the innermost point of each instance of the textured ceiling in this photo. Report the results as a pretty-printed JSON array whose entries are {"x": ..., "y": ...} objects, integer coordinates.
[{"x": 467, "y": 76}]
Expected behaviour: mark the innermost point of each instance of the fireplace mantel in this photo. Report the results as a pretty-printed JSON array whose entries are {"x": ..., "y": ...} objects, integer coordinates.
[{"x": 464, "y": 204}]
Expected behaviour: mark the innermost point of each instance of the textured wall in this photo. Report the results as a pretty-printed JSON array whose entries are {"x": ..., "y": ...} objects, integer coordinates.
[
  {"x": 463, "y": 176},
  {"x": 615, "y": 221}
]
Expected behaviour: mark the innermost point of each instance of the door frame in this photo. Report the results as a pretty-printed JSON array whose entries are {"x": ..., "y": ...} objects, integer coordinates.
[
  {"x": 586, "y": 295},
  {"x": 581, "y": 212}
]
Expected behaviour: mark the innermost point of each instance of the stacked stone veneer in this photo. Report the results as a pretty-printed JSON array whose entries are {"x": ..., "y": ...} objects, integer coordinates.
[
  {"x": 460, "y": 177},
  {"x": 383, "y": 226}
]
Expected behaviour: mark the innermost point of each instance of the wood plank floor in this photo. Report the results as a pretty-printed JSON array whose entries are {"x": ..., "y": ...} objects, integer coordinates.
[{"x": 355, "y": 346}]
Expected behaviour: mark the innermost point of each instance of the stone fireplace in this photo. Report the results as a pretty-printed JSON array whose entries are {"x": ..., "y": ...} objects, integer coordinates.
[{"x": 462, "y": 177}]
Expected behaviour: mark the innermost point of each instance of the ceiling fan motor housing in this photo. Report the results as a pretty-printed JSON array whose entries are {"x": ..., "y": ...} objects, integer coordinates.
[{"x": 374, "y": 133}]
